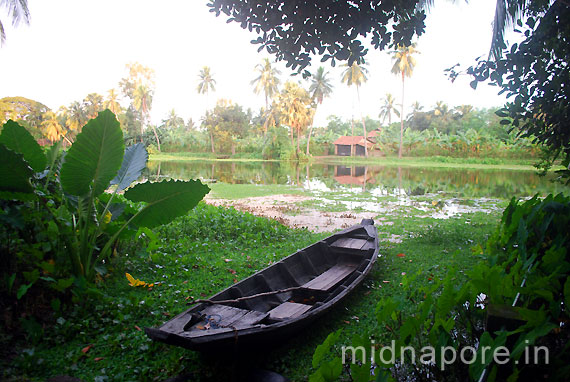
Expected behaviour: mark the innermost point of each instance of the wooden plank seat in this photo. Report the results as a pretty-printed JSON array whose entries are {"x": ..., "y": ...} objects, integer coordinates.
[
  {"x": 288, "y": 310},
  {"x": 330, "y": 278},
  {"x": 224, "y": 316},
  {"x": 348, "y": 242}
]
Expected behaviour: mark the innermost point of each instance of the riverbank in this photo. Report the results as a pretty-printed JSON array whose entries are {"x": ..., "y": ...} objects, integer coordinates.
[
  {"x": 426, "y": 162},
  {"x": 208, "y": 250}
]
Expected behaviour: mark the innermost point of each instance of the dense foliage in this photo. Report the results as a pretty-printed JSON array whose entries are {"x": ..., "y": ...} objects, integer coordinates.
[
  {"x": 535, "y": 74},
  {"x": 516, "y": 297},
  {"x": 293, "y": 31},
  {"x": 59, "y": 226}
]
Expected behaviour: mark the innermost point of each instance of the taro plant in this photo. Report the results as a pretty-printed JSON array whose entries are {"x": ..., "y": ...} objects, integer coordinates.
[{"x": 83, "y": 192}]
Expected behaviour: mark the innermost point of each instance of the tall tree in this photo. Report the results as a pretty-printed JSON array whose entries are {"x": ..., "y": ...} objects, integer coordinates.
[
  {"x": 206, "y": 83},
  {"x": 388, "y": 108},
  {"x": 51, "y": 127},
  {"x": 93, "y": 104},
  {"x": 112, "y": 102},
  {"x": 138, "y": 86},
  {"x": 268, "y": 83},
  {"x": 295, "y": 110},
  {"x": 142, "y": 100},
  {"x": 320, "y": 88},
  {"x": 404, "y": 64},
  {"x": 356, "y": 75},
  {"x": 17, "y": 11}
]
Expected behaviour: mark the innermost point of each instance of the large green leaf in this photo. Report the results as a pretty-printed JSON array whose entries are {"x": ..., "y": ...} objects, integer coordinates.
[
  {"x": 95, "y": 156},
  {"x": 18, "y": 139},
  {"x": 15, "y": 175},
  {"x": 134, "y": 163},
  {"x": 166, "y": 200}
]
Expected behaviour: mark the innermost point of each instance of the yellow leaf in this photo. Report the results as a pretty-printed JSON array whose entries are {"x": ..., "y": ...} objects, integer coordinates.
[{"x": 130, "y": 278}]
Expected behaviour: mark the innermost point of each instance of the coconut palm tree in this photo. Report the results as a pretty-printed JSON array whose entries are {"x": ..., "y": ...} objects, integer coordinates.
[
  {"x": 143, "y": 102},
  {"x": 17, "y": 11},
  {"x": 404, "y": 65},
  {"x": 206, "y": 84},
  {"x": 112, "y": 102},
  {"x": 294, "y": 105},
  {"x": 206, "y": 81},
  {"x": 355, "y": 74},
  {"x": 388, "y": 108},
  {"x": 319, "y": 89},
  {"x": 52, "y": 130},
  {"x": 268, "y": 83}
]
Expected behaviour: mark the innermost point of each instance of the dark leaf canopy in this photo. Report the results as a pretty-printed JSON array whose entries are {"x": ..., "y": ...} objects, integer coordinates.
[{"x": 293, "y": 30}]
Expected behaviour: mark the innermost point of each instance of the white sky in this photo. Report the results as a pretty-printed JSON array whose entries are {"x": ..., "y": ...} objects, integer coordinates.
[{"x": 73, "y": 48}]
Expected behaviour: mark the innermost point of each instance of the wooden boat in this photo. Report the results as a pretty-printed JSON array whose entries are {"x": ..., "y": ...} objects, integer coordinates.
[{"x": 279, "y": 300}]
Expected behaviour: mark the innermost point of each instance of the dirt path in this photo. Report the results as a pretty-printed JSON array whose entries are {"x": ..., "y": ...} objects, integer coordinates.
[{"x": 285, "y": 209}]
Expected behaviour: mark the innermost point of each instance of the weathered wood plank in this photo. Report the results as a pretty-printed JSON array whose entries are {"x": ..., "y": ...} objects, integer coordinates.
[
  {"x": 348, "y": 242},
  {"x": 250, "y": 318},
  {"x": 330, "y": 278},
  {"x": 288, "y": 310}
]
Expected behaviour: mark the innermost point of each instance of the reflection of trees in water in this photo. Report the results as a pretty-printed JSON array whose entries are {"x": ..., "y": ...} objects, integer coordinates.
[{"x": 463, "y": 182}]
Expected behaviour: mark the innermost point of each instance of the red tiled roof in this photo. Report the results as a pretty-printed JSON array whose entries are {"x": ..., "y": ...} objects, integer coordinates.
[
  {"x": 349, "y": 140},
  {"x": 374, "y": 133}
]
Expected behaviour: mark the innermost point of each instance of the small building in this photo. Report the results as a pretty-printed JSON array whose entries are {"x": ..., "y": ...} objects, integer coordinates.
[
  {"x": 342, "y": 146},
  {"x": 372, "y": 136}
]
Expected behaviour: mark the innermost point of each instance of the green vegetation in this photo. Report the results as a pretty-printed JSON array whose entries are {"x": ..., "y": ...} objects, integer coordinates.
[
  {"x": 198, "y": 255},
  {"x": 512, "y": 293}
]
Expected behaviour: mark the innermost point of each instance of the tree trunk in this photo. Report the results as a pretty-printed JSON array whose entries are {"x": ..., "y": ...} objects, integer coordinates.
[
  {"x": 363, "y": 123},
  {"x": 401, "y": 120},
  {"x": 352, "y": 142},
  {"x": 309, "y": 139},
  {"x": 212, "y": 142},
  {"x": 233, "y": 148},
  {"x": 156, "y": 137},
  {"x": 298, "y": 137}
]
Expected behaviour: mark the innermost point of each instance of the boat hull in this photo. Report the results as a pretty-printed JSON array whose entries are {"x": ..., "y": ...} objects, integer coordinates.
[{"x": 277, "y": 302}]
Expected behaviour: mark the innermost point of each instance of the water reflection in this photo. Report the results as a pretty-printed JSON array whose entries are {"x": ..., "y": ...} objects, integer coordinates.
[{"x": 375, "y": 179}]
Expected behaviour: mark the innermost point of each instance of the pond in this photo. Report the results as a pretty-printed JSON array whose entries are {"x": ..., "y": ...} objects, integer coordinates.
[{"x": 376, "y": 179}]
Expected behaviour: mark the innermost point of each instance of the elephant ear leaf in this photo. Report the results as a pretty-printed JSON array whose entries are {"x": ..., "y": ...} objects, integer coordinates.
[
  {"x": 95, "y": 156},
  {"x": 165, "y": 200},
  {"x": 15, "y": 174},
  {"x": 134, "y": 163},
  {"x": 19, "y": 140}
]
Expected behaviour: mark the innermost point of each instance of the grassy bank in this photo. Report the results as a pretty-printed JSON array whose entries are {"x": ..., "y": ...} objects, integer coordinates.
[
  {"x": 199, "y": 254},
  {"x": 426, "y": 162}
]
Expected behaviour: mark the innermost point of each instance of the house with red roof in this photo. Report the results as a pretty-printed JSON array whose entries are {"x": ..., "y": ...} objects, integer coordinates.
[{"x": 343, "y": 145}]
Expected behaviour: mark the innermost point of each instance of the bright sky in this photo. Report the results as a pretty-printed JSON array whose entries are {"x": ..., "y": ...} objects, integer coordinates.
[{"x": 73, "y": 48}]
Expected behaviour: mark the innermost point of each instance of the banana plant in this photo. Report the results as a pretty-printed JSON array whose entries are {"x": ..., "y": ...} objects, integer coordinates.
[{"x": 95, "y": 171}]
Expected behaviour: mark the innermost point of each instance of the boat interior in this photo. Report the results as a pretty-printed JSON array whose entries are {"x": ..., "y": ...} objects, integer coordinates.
[{"x": 316, "y": 275}]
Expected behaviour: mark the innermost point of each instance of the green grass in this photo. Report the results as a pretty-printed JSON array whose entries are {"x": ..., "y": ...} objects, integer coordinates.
[
  {"x": 438, "y": 162},
  {"x": 190, "y": 156},
  {"x": 206, "y": 251},
  {"x": 240, "y": 191}
]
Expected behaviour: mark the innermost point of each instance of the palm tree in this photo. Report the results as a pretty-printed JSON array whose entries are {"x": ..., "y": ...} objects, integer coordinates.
[
  {"x": 388, "y": 108},
  {"x": 205, "y": 84},
  {"x": 112, "y": 102},
  {"x": 143, "y": 102},
  {"x": 52, "y": 129},
  {"x": 404, "y": 64},
  {"x": 356, "y": 75},
  {"x": 18, "y": 11},
  {"x": 266, "y": 82},
  {"x": 319, "y": 89},
  {"x": 295, "y": 109}
]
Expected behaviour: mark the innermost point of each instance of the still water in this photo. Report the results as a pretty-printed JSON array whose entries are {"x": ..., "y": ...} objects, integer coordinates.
[{"x": 372, "y": 178}]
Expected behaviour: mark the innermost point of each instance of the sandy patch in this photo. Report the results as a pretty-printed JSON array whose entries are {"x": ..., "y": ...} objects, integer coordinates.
[{"x": 284, "y": 208}]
